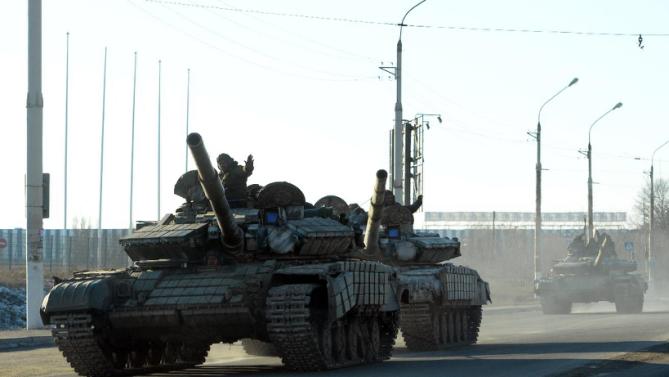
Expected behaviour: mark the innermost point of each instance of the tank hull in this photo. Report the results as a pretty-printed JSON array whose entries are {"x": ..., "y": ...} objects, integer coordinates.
[
  {"x": 558, "y": 292},
  {"x": 167, "y": 318}
]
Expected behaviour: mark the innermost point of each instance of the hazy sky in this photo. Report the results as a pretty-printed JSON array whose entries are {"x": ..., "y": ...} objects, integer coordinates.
[{"x": 306, "y": 97}]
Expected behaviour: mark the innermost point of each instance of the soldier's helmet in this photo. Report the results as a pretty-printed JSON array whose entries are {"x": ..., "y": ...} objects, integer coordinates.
[
  {"x": 388, "y": 198},
  {"x": 224, "y": 161}
]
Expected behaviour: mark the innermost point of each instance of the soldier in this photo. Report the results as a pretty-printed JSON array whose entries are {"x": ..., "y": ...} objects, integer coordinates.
[
  {"x": 389, "y": 200},
  {"x": 234, "y": 178}
]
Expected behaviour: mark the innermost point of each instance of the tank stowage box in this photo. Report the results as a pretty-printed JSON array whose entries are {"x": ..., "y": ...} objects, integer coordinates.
[
  {"x": 592, "y": 272},
  {"x": 209, "y": 274}
]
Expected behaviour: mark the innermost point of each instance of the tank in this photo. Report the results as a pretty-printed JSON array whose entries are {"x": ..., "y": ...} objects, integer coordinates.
[
  {"x": 207, "y": 273},
  {"x": 592, "y": 272},
  {"x": 440, "y": 302}
]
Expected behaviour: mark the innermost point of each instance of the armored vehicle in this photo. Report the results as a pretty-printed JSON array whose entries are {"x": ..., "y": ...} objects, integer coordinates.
[
  {"x": 440, "y": 303},
  {"x": 592, "y": 272},
  {"x": 209, "y": 274}
]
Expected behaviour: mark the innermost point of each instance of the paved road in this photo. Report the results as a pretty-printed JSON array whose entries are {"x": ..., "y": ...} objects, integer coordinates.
[{"x": 513, "y": 343}]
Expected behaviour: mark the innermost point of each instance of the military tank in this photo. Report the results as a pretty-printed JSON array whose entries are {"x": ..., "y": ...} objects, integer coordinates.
[
  {"x": 440, "y": 303},
  {"x": 592, "y": 272},
  {"x": 209, "y": 274}
]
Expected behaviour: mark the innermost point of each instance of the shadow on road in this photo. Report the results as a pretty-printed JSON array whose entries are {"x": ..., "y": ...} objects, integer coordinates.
[
  {"x": 530, "y": 349},
  {"x": 501, "y": 360}
]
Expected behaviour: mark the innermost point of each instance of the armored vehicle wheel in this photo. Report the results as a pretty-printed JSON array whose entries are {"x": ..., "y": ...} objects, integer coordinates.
[
  {"x": 193, "y": 353},
  {"x": 553, "y": 305},
  {"x": 255, "y": 347},
  {"x": 428, "y": 327},
  {"x": 307, "y": 339},
  {"x": 91, "y": 350},
  {"x": 389, "y": 330},
  {"x": 628, "y": 300}
]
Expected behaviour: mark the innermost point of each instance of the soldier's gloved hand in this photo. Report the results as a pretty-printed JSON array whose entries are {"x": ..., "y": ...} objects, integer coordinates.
[{"x": 249, "y": 164}]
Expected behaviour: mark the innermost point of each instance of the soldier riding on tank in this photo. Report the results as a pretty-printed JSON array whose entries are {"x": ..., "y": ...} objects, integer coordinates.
[{"x": 234, "y": 176}]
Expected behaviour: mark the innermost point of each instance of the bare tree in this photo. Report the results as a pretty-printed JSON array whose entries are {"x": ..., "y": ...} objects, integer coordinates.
[{"x": 642, "y": 205}]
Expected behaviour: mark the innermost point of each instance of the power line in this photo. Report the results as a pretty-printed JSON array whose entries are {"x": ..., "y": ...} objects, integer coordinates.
[
  {"x": 253, "y": 62},
  {"x": 395, "y": 24}
]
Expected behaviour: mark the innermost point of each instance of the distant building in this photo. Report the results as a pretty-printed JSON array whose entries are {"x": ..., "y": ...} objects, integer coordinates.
[{"x": 516, "y": 220}]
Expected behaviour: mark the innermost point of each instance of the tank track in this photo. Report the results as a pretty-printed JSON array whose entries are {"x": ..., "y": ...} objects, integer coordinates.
[
  {"x": 79, "y": 338},
  {"x": 307, "y": 340},
  {"x": 428, "y": 327}
]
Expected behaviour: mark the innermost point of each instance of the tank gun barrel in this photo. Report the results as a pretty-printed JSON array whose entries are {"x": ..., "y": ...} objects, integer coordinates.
[
  {"x": 375, "y": 212},
  {"x": 213, "y": 189}
]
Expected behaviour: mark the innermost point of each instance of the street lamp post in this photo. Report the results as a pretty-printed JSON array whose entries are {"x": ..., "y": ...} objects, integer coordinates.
[
  {"x": 397, "y": 136},
  {"x": 591, "y": 226},
  {"x": 537, "y": 215},
  {"x": 651, "y": 217}
]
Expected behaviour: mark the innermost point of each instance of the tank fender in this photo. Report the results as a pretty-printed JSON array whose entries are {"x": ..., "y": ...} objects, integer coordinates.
[{"x": 77, "y": 295}]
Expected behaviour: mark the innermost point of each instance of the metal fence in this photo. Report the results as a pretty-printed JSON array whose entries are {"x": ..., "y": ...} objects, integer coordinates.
[{"x": 65, "y": 249}]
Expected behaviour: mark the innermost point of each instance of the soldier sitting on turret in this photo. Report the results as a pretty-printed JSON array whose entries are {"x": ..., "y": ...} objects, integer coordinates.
[
  {"x": 233, "y": 176},
  {"x": 389, "y": 200}
]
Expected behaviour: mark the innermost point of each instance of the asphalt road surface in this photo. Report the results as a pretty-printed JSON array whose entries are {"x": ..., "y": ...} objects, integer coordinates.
[{"x": 593, "y": 341}]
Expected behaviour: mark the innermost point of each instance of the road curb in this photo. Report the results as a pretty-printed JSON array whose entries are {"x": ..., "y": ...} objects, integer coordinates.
[{"x": 12, "y": 344}]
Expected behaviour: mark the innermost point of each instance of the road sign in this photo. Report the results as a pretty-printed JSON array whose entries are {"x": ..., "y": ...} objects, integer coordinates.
[
  {"x": 3, "y": 243},
  {"x": 629, "y": 246}
]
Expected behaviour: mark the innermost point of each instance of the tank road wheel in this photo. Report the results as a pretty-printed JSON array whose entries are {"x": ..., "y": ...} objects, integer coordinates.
[
  {"x": 119, "y": 359},
  {"x": 307, "y": 339},
  {"x": 339, "y": 342},
  {"x": 155, "y": 354},
  {"x": 170, "y": 353},
  {"x": 138, "y": 356},
  {"x": 354, "y": 340},
  {"x": 389, "y": 329},
  {"x": 255, "y": 347},
  {"x": 373, "y": 340},
  {"x": 193, "y": 353},
  {"x": 553, "y": 305},
  {"x": 628, "y": 299}
]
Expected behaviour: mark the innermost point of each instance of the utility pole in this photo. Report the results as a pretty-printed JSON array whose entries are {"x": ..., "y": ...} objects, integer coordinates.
[
  {"x": 651, "y": 218},
  {"x": 158, "y": 180},
  {"x": 34, "y": 186},
  {"x": 397, "y": 145},
  {"x": 66, "y": 236},
  {"x": 187, "y": 114},
  {"x": 102, "y": 159},
  {"x": 67, "y": 91},
  {"x": 537, "y": 215},
  {"x": 591, "y": 225},
  {"x": 132, "y": 140}
]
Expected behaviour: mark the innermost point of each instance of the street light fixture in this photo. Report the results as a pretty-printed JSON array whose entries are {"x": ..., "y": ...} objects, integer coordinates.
[
  {"x": 591, "y": 226},
  {"x": 537, "y": 216},
  {"x": 397, "y": 130},
  {"x": 651, "y": 217}
]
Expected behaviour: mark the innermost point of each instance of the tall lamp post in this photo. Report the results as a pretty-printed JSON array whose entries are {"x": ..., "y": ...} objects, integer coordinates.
[
  {"x": 537, "y": 215},
  {"x": 651, "y": 217},
  {"x": 591, "y": 226},
  {"x": 396, "y": 149}
]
